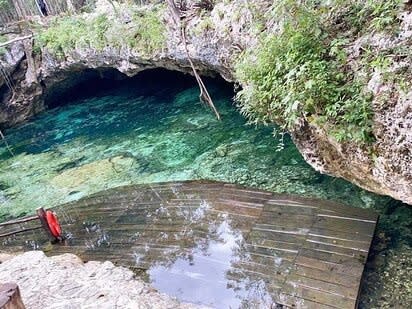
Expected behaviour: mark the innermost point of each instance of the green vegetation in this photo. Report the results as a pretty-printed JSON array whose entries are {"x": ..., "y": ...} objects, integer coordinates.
[
  {"x": 302, "y": 71},
  {"x": 4, "y": 4},
  {"x": 370, "y": 15},
  {"x": 205, "y": 25},
  {"x": 144, "y": 33},
  {"x": 2, "y": 40}
]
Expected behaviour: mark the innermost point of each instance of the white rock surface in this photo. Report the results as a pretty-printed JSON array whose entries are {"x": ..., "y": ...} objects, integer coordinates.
[{"x": 66, "y": 282}]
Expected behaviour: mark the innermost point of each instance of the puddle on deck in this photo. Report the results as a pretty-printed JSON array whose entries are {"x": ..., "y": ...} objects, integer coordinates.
[{"x": 220, "y": 245}]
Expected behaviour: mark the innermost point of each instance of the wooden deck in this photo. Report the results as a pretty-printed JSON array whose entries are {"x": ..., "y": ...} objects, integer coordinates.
[{"x": 299, "y": 253}]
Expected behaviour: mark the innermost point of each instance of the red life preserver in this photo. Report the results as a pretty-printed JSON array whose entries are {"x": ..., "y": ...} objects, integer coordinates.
[{"x": 53, "y": 224}]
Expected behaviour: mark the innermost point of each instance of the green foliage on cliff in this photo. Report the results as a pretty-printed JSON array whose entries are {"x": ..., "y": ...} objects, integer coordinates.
[
  {"x": 4, "y": 4},
  {"x": 144, "y": 32},
  {"x": 2, "y": 40},
  {"x": 301, "y": 72},
  {"x": 370, "y": 15}
]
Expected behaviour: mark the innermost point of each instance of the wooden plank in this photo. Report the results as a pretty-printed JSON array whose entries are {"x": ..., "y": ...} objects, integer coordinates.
[
  {"x": 19, "y": 221},
  {"x": 309, "y": 253},
  {"x": 237, "y": 209},
  {"x": 281, "y": 209},
  {"x": 354, "y": 254},
  {"x": 240, "y": 203},
  {"x": 23, "y": 230},
  {"x": 317, "y": 231},
  {"x": 257, "y": 236},
  {"x": 326, "y": 205},
  {"x": 313, "y": 261},
  {"x": 343, "y": 243},
  {"x": 233, "y": 195},
  {"x": 287, "y": 255},
  {"x": 290, "y": 301},
  {"x": 275, "y": 275},
  {"x": 315, "y": 295},
  {"x": 348, "y": 213},
  {"x": 341, "y": 279},
  {"x": 322, "y": 286},
  {"x": 354, "y": 212},
  {"x": 349, "y": 226},
  {"x": 271, "y": 244},
  {"x": 282, "y": 263},
  {"x": 302, "y": 222},
  {"x": 332, "y": 257},
  {"x": 293, "y": 230}
]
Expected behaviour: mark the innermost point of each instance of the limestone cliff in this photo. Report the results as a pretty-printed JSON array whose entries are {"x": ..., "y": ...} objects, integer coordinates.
[{"x": 217, "y": 34}]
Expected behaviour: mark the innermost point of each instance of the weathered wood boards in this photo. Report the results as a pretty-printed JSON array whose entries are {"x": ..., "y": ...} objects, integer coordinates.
[
  {"x": 306, "y": 253},
  {"x": 31, "y": 223}
]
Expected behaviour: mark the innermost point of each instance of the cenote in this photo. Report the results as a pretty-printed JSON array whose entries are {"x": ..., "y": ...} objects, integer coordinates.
[{"x": 151, "y": 128}]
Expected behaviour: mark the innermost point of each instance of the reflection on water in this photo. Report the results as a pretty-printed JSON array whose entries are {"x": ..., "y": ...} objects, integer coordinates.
[
  {"x": 220, "y": 245},
  {"x": 205, "y": 275}
]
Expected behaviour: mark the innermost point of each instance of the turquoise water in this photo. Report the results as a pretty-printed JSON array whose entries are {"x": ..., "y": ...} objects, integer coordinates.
[
  {"x": 153, "y": 128},
  {"x": 150, "y": 130}
]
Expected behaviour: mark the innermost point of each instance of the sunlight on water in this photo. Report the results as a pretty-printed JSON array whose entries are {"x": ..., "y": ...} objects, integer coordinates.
[{"x": 150, "y": 129}]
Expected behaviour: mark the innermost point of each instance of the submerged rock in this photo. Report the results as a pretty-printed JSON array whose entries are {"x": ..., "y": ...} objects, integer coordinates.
[
  {"x": 94, "y": 173},
  {"x": 392, "y": 286},
  {"x": 64, "y": 281}
]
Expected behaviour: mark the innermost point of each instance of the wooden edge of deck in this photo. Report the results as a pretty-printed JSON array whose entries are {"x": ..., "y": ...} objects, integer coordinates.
[
  {"x": 306, "y": 220},
  {"x": 363, "y": 272}
]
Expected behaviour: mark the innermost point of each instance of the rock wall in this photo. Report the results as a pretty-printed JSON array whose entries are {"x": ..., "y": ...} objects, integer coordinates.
[
  {"x": 215, "y": 38},
  {"x": 385, "y": 167}
]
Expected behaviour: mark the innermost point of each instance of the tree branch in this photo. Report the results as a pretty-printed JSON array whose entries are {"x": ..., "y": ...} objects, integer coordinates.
[{"x": 16, "y": 40}]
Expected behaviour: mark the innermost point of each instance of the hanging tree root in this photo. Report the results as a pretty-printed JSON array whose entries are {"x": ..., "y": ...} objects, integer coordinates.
[
  {"x": 7, "y": 144},
  {"x": 204, "y": 94}
]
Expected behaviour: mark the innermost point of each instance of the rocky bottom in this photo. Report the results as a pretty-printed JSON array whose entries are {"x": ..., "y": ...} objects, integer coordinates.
[{"x": 64, "y": 281}]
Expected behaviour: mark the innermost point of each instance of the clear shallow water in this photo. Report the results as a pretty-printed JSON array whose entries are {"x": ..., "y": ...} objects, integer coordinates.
[{"x": 153, "y": 128}]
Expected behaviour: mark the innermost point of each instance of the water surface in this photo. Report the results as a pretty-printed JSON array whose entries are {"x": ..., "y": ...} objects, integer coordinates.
[{"x": 153, "y": 128}]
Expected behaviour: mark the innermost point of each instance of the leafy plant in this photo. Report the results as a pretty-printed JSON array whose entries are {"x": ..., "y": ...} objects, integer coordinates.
[
  {"x": 4, "y": 4},
  {"x": 2, "y": 40},
  {"x": 145, "y": 33},
  {"x": 298, "y": 74},
  {"x": 371, "y": 15},
  {"x": 382, "y": 13},
  {"x": 150, "y": 31},
  {"x": 63, "y": 34}
]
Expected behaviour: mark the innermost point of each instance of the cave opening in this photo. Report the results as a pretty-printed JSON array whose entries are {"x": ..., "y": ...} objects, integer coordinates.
[{"x": 87, "y": 83}]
